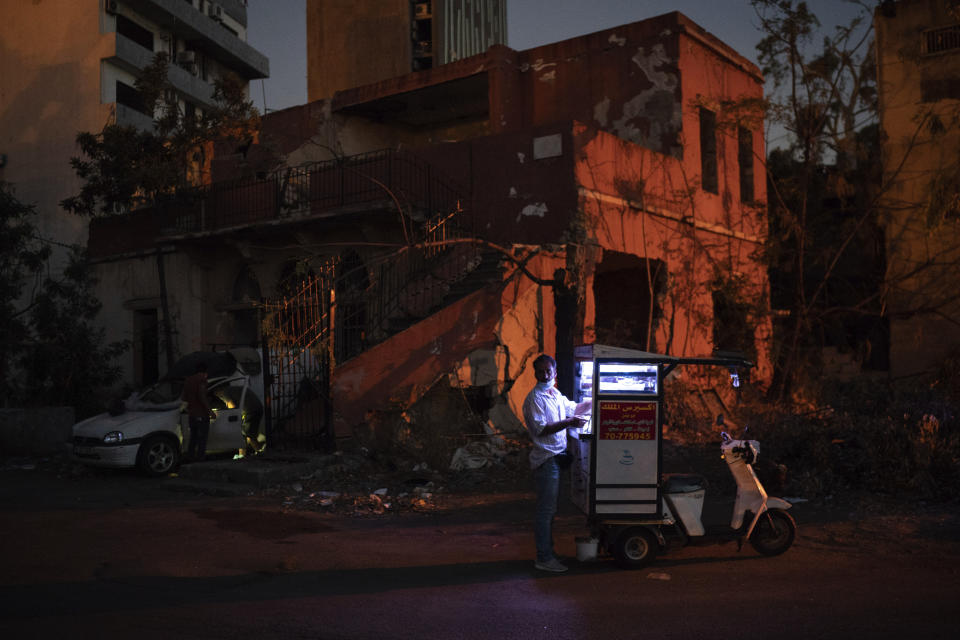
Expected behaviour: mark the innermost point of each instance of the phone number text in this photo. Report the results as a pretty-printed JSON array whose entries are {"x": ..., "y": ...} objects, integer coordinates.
[{"x": 628, "y": 436}]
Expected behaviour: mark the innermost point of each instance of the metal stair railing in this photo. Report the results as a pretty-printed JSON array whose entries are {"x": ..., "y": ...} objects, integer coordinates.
[{"x": 406, "y": 286}]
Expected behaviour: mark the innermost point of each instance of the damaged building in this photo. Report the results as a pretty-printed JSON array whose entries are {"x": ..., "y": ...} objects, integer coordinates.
[
  {"x": 426, "y": 233},
  {"x": 918, "y": 82}
]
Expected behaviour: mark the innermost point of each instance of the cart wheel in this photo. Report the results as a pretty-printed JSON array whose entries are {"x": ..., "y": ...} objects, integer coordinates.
[
  {"x": 636, "y": 547},
  {"x": 774, "y": 532}
]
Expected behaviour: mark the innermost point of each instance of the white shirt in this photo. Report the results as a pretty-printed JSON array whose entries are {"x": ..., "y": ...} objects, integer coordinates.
[{"x": 544, "y": 405}]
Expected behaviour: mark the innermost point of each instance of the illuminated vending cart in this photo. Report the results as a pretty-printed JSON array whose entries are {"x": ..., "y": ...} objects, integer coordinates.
[
  {"x": 616, "y": 477},
  {"x": 616, "y": 454}
]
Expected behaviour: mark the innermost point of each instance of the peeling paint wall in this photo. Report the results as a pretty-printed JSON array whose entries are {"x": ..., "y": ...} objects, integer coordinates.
[
  {"x": 638, "y": 202},
  {"x": 624, "y": 80}
]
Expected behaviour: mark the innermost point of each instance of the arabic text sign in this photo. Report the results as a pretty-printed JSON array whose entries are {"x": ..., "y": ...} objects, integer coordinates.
[{"x": 627, "y": 420}]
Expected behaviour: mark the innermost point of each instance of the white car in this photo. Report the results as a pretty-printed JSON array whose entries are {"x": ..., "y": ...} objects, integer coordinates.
[{"x": 149, "y": 430}]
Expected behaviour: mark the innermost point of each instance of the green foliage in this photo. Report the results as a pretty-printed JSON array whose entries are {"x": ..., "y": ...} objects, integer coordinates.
[
  {"x": 871, "y": 437},
  {"x": 50, "y": 351},
  {"x": 22, "y": 256},
  {"x": 67, "y": 358},
  {"x": 123, "y": 168},
  {"x": 867, "y": 436}
]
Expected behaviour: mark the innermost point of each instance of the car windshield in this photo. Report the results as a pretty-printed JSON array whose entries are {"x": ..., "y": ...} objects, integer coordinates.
[{"x": 163, "y": 392}]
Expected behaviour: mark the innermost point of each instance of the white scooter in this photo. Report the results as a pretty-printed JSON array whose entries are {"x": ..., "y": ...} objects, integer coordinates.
[{"x": 758, "y": 518}]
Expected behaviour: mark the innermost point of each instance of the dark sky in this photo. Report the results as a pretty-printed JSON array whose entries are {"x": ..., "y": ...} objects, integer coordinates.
[{"x": 277, "y": 28}]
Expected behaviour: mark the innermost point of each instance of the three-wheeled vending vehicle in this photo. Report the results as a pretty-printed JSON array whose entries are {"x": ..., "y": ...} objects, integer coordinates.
[{"x": 635, "y": 511}]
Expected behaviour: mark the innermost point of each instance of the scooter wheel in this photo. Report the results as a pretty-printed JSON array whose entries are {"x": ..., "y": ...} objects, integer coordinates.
[
  {"x": 774, "y": 532},
  {"x": 635, "y": 547}
]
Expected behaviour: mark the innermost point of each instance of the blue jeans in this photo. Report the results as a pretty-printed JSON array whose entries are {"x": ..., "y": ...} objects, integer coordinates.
[{"x": 547, "y": 478}]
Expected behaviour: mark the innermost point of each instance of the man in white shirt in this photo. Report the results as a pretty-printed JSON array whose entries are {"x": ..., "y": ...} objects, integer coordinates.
[{"x": 548, "y": 414}]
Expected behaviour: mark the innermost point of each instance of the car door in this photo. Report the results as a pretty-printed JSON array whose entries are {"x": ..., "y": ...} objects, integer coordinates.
[{"x": 226, "y": 430}]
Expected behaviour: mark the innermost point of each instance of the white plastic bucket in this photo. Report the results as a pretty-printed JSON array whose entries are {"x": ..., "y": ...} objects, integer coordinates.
[{"x": 586, "y": 549}]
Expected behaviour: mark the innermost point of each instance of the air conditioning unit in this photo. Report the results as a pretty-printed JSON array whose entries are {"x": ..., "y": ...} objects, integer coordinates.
[
  {"x": 186, "y": 57},
  {"x": 110, "y": 6},
  {"x": 215, "y": 11}
]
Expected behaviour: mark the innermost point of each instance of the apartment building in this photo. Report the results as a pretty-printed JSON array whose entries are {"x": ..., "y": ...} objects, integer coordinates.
[
  {"x": 918, "y": 64},
  {"x": 68, "y": 66}
]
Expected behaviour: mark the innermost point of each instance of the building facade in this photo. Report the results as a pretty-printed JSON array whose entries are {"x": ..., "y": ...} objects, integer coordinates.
[
  {"x": 918, "y": 63},
  {"x": 68, "y": 67},
  {"x": 463, "y": 219}
]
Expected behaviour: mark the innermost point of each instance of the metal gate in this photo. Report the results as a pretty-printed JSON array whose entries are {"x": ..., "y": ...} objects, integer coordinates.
[{"x": 297, "y": 344}]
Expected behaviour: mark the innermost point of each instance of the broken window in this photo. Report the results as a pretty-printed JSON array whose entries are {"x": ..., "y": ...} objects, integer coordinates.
[
  {"x": 732, "y": 329},
  {"x": 130, "y": 97},
  {"x": 422, "y": 35},
  {"x": 130, "y": 29},
  {"x": 745, "y": 160},
  {"x": 708, "y": 151},
  {"x": 627, "y": 292}
]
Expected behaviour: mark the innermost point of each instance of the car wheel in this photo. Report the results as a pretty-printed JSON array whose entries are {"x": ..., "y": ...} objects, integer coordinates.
[{"x": 158, "y": 456}]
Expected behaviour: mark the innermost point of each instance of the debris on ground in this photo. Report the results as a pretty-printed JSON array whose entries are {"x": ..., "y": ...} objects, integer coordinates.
[
  {"x": 360, "y": 484},
  {"x": 476, "y": 455}
]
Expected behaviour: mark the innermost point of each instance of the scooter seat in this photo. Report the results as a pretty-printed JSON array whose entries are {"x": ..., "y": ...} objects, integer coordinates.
[{"x": 683, "y": 482}]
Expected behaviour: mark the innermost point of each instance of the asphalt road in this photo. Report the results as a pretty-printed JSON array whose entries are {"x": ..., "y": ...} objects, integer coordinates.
[{"x": 117, "y": 556}]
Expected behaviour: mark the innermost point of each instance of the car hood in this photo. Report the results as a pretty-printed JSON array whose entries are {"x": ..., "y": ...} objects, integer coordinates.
[{"x": 130, "y": 422}]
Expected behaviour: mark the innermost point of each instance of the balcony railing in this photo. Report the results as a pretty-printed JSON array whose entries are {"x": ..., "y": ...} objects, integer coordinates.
[{"x": 376, "y": 180}]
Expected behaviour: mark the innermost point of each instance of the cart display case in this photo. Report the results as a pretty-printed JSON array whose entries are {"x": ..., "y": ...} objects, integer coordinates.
[{"x": 617, "y": 452}]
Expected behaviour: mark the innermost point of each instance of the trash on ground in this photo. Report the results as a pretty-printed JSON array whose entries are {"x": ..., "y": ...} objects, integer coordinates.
[{"x": 476, "y": 455}]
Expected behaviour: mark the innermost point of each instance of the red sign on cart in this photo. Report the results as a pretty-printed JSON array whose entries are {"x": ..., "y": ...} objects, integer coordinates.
[{"x": 627, "y": 420}]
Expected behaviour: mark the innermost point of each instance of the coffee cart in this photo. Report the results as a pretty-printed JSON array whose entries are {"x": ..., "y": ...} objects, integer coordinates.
[{"x": 616, "y": 477}]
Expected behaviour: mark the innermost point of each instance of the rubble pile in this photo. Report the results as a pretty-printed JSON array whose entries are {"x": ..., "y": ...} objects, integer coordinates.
[{"x": 360, "y": 485}]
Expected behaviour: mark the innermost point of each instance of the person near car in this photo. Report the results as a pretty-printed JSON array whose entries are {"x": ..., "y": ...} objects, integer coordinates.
[
  {"x": 198, "y": 411},
  {"x": 548, "y": 414}
]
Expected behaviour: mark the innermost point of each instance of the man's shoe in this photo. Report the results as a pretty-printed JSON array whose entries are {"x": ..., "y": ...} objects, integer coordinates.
[{"x": 552, "y": 565}]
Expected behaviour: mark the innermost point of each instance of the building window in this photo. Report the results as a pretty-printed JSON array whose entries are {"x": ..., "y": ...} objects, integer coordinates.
[
  {"x": 708, "y": 151},
  {"x": 130, "y": 97},
  {"x": 422, "y": 34},
  {"x": 732, "y": 330},
  {"x": 745, "y": 160},
  {"x": 942, "y": 39},
  {"x": 130, "y": 29}
]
